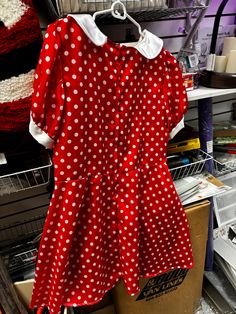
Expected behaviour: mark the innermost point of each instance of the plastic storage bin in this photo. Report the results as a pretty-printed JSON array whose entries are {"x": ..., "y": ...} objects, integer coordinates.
[{"x": 225, "y": 204}]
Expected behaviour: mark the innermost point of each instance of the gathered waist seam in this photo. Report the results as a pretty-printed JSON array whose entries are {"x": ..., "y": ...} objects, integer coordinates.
[{"x": 117, "y": 172}]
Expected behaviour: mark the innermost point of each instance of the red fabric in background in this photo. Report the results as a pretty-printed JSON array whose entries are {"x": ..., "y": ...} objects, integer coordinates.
[
  {"x": 24, "y": 32},
  {"x": 14, "y": 115}
]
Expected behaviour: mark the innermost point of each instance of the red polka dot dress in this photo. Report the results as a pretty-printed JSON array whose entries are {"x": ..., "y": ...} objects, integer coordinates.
[{"x": 107, "y": 112}]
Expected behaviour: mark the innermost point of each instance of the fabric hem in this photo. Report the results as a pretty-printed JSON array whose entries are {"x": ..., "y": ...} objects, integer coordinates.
[
  {"x": 40, "y": 136},
  {"x": 113, "y": 285}
]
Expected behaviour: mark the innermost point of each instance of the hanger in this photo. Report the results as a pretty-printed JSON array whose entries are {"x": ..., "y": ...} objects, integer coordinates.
[{"x": 117, "y": 15}]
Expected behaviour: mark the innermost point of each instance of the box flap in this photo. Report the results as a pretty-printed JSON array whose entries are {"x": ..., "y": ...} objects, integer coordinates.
[{"x": 197, "y": 204}]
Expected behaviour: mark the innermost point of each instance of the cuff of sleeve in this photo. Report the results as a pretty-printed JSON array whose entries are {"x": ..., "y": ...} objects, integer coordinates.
[
  {"x": 177, "y": 128},
  {"x": 40, "y": 135}
]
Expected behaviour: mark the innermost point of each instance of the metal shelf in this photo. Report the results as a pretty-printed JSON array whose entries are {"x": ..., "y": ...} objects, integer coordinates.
[
  {"x": 221, "y": 168},
  {"x": 193, "y": 168},
  {"x": 26, "y": 179},
  {"x": 206, "y": 92},
  {"x": 141, "y": 11},
  {"x": 150, "y": 15}
]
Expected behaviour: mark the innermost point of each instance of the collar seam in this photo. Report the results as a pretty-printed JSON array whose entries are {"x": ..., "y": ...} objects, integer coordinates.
[{"x": 149, "y": 49}]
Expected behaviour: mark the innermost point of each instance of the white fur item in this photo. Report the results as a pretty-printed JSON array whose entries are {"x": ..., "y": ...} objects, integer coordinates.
[
  {"x": 16, "y": 87},
  {"x": 11, "y": 11}
]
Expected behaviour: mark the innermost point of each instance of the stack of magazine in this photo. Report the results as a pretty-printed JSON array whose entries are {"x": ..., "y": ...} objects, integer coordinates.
[
  {"x": 198, "y": 187},
  {"x": 187, "y": 187}
]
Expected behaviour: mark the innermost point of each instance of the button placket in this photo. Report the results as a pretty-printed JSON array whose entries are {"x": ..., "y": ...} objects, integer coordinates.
[{"x": 118, "y": 71}]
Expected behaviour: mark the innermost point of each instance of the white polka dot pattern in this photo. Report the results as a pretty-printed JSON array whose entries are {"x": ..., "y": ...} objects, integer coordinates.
[{"x": 114, "y": 211}]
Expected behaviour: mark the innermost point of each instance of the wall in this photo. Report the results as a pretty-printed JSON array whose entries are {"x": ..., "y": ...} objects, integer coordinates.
[{"x": 167, "y": 29}]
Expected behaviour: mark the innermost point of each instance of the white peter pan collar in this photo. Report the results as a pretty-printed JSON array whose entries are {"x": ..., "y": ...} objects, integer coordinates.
[{"x": 149, "y": 45}]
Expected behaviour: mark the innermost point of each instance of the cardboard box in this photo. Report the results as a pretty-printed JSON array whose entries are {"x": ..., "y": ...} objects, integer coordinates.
[
  {"x": 176, "y": 292},
  {"x": 103, "y": 304},
  {"x": 106, "y": 310},
  {"x": 24, "y": 290}
]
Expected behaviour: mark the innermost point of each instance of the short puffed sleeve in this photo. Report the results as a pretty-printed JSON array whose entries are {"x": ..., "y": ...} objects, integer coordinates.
[
  {"x": 177, "y": 102},
  {"x": 48, "y": 94}
]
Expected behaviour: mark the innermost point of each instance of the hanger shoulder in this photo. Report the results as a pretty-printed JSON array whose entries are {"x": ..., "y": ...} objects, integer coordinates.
[{"x": 121, "y": 16}]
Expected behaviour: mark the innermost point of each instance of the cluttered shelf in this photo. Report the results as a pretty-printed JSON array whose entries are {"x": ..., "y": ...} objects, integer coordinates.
[{"x": 224, "y": 133}]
